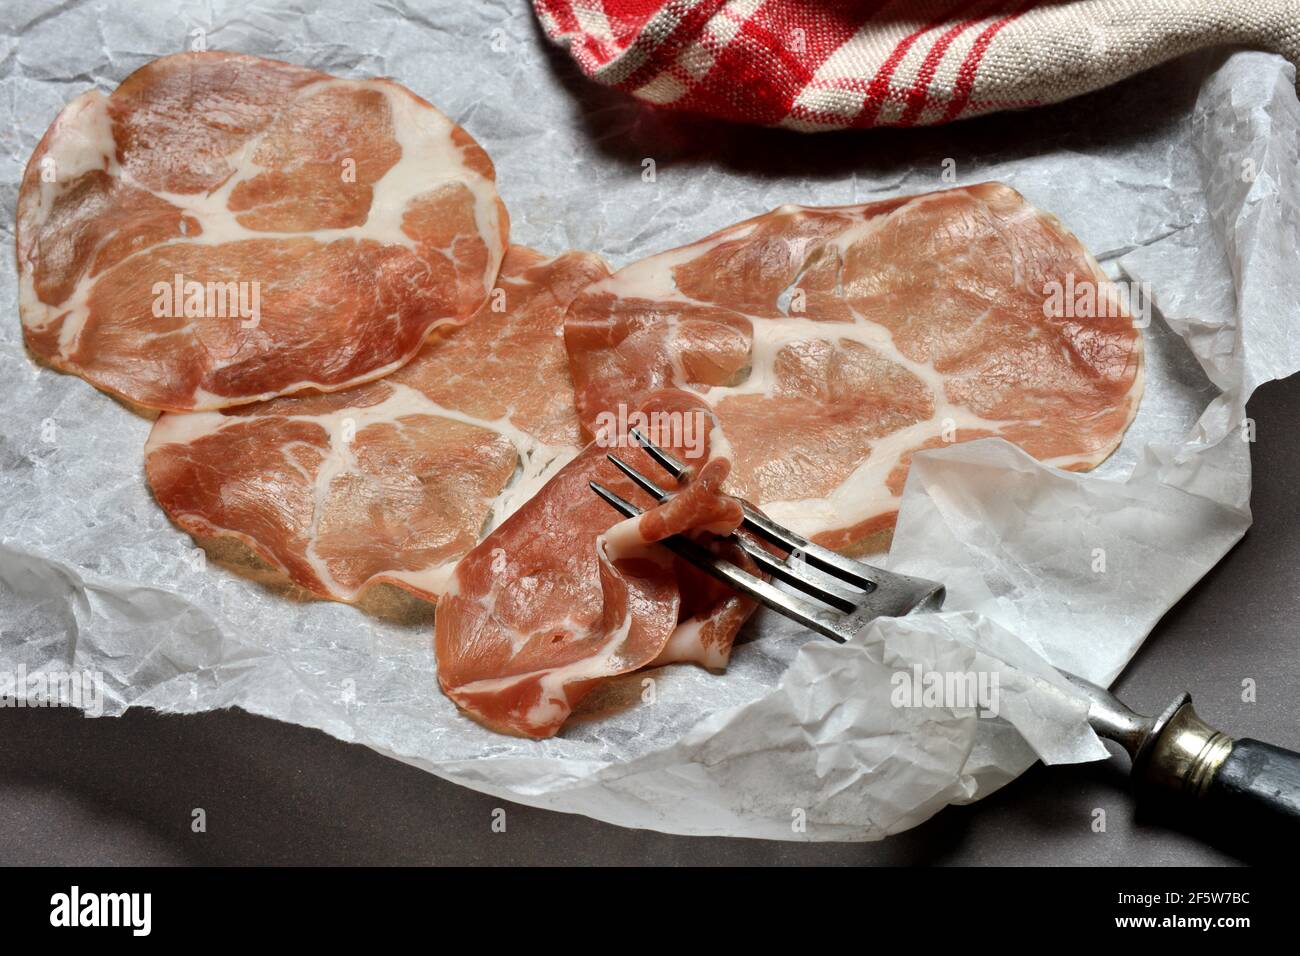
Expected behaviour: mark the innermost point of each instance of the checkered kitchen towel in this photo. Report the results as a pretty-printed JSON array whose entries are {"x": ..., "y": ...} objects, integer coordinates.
[{"x": 820, "y": 64}]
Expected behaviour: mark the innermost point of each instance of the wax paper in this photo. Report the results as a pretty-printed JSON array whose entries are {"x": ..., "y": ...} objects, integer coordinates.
[{"x": 1185, "y": 178}]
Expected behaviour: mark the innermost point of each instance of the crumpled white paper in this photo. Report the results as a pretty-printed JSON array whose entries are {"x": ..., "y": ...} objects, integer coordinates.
[{"x": 1186, "y": 179}]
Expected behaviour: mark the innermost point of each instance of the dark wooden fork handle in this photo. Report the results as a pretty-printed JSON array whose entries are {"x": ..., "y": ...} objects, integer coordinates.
[
  {"x": 1260, "y": 781},
  {"x": 1246, "y": 791}
]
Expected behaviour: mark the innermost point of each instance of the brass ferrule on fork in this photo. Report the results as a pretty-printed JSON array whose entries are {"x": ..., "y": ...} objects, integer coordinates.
[{"x": 1182, "y": 753}]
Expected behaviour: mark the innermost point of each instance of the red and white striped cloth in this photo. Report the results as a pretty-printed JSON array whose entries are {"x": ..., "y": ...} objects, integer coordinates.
[{"x": 810, "y": 65}]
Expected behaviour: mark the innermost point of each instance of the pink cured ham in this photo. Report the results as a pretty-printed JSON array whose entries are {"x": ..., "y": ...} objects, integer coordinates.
[
  {"x": 564, "y": 595},
  {"x": 224, "y": 229},
  {"x": 395, "y": 480},
  {"x": 831, "y": 344}
]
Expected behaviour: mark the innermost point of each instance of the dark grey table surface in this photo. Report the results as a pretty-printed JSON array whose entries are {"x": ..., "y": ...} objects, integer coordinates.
[{"x": 122, "y": 791}]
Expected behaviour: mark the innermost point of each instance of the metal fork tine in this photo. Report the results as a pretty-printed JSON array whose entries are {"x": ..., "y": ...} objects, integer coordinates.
[
  {"x": 823, "y": 590},
  {"x": 642, "y": 482},
  {"x": 823, "y": 621},
  {"x": 665, "y": 460},
  {"x": 824, "y": 559}
]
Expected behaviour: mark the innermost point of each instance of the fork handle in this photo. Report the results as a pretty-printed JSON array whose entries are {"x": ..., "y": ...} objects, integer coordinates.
[
  {"x": 1261, "y": 781},
  {"x": 1239, "y": 787}
]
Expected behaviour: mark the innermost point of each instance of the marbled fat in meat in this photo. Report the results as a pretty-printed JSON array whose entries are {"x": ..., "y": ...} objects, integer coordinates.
[{"x": 328, "y": 226}]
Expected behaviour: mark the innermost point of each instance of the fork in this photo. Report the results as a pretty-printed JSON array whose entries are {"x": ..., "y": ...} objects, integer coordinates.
[{"x": 1234, "y": 785}]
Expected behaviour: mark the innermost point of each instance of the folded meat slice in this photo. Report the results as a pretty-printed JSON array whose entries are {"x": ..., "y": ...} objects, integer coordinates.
[
  {"x": 395, "y": 480},
  {"x": 563, "y": 595},
  {"x": 224, "y": 229},
  {"x": 833, "y": 343}
]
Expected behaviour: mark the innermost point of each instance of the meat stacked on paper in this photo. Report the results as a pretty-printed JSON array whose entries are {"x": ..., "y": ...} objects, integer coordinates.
[
  {"x": 223, "y": 229},
  {"x": 827, "y": 346},
  {"x": 362, "y": 381}
]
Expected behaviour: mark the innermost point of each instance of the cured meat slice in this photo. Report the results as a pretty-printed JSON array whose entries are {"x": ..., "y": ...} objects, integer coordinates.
[
  {"x": 224, "y": 229},
  {"x": 395, "y": 480},
  {"x": 833, "y": 343},
  {"x": 563, "y": 595}
]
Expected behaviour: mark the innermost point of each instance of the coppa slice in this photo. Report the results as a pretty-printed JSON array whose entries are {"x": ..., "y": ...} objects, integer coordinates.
[
  {"x": 833, "y": 343},
  {"x": 563, "y": 595},
  {"x": 224, "y": 229},
  {"x": 395, "y": 480}
]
